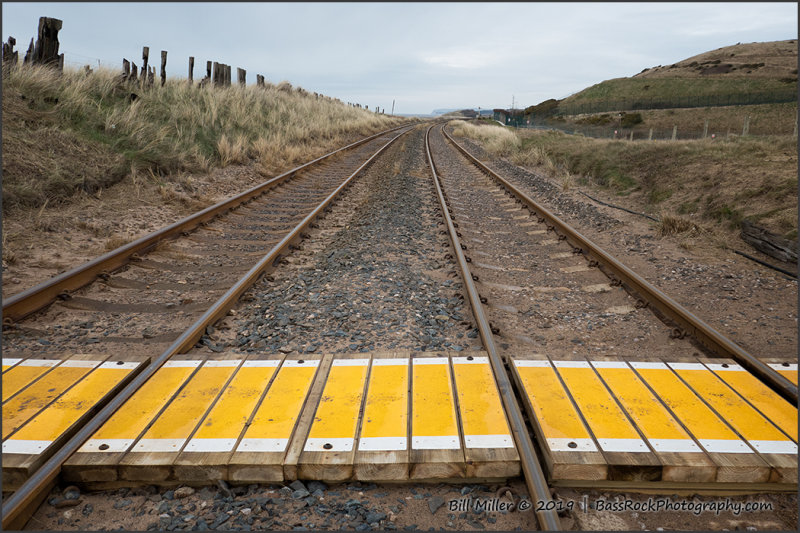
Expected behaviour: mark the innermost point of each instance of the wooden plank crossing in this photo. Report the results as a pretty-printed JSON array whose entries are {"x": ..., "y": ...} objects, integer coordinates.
[
  {"x": 382, "y": 416},
  {"x": 48, "y": 402},
  {"x": 684, "y": 422}
]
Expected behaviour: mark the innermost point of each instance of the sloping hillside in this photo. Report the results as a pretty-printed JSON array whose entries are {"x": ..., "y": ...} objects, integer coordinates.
[{"x": 754, "y": 69}]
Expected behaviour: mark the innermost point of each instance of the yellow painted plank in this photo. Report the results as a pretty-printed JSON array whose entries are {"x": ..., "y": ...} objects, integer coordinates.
[
  {"x": 178, "y": 420},
  {"x": 433, "y": 422},
  {"x": 39, "y": 432},
  {"x": 220, "y": 430},
  {"x": 774, "y": 407},
  {"x": 607, "y": 421},
  {"x": 25, "y": 405},
  {"x": 9, "y": 362},
  {"x": 274, "y": 421},
  {"x": 654, "y": 421},
  {"x": 482, "y": 416},
  {"x": 334, "y": 426},
  {"x": 125, "y": 425},
  {"x": 787, "y": 370},
  {"x": 557, "y": 417},
  {"x": 761, "y": 434},
  {"x": 711, "y": 432},
  {"x": 385, "y": 422},
  {"x": 19, "y": 376}
]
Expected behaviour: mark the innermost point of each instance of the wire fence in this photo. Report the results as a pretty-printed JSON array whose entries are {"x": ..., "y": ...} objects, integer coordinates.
[
  {"x": 708, "y": 100},
  {"x": 655, "y": 134}
]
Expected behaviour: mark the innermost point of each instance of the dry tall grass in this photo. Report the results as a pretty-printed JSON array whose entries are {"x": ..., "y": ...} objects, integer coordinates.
[
  {"x": 169, "y": 129},
  {"x": 496, "y": 140}
]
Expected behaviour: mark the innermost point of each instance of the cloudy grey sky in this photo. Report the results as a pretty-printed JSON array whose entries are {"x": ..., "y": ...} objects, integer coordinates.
[{"x": 423, "y": 55}]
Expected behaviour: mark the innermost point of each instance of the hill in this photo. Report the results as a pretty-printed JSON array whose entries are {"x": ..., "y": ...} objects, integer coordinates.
[{"x": 739, "y": 74}]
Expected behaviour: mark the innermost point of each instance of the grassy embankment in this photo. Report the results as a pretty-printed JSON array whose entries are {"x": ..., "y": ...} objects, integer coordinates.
[
  {"x": 691, "y": 185},
  {"x": 64, "y": 136}
]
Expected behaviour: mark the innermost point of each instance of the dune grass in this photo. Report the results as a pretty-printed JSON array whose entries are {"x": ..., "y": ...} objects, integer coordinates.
[
  {"x": 55, "y": 119},
  {"x": 714, "y": 182}
]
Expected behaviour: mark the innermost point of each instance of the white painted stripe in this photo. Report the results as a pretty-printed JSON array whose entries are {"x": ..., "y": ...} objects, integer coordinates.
[
  {"x": 579, "y": 445},
  {"x": 674, "y": 445},
  {"x": 775, "y": 446},
  {"x": 11, "y": 361},
  {"x": 609, "y": 364},
  {"x": 305, "y": 364},
  {"x": 223, "y": 364},
  {"x": 648, "y": 365},
  {"x": 475, "y": 361},
  {"x": 623, "y": 445},
  {"x": 210, "y": 445},
  {"x": 381, "y": 444},
  {"x": 182, "y": 364},
  {"x": 262, "y": 445},
  {"x": 448, "y": 442},
  {"x": 725, "y": 446},
  {"x": 351, "y": 362},
  {"x": 534, "y": 364},
  {"x": 686, "y": 366},
  {"x": 488, "y": 441},
  {"x": 80, "y": 364},
  {"x": 717, "y": 367},
  {"x": 571, "y": 364},
  {"x": 430, "y": 361},
  {"x": 261, "y": 364},
  {"x": 111, "y": 445},
  {"x": 120, "y": 365},
  {"x": 780, "y": 366},
  {"x": 329, "y": 445},
  {"x": 402, "y": 361},
  {"x": 159, "y": 445},
  {"x": 25, "y": 447},
  {"x": 38, "y": 362}
]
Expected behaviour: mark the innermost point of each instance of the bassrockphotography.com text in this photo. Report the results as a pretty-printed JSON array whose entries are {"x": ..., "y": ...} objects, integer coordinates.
[{"x": 620, "y": 505}]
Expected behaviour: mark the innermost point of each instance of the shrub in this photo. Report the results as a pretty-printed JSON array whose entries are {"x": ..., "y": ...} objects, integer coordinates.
[{"x": 629, "y": 120}]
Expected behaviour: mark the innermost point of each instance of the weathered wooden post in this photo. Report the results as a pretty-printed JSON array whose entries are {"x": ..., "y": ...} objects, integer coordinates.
[
  {"x": 705, "y": 129},
  {"x": 650, "y": 136},
  {"x": 163, "y": 67},
  {"x": 151, "y": 77},
  {"x": 145, "y": 70},
  {"x": 126, "y": 69},
  {"x": 191, "y": 69},
  {"x": 674, "y": 132},
  {"x": 259, "y": 80},
  {"x": 134, "y": 72},
  {"x": 227, "y": 75},
  {"x": 9, "y": 54},
  {"x": 46, "y": 50},
  {"x": 631, "y": 134},
  {"x": 241, "y": 76},
  {"x": 746, "y": 127},
  {"x": 28, "y": 59},
  {"x": 208, "y": 69},
  {"x": 216, "y": 77}
]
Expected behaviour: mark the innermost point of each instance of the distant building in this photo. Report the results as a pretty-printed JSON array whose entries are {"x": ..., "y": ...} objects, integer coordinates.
[{"x": 509, "y": 117}]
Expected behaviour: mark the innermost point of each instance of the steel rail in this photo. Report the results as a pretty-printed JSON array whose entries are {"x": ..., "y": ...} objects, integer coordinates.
[
  {"x": 687, "y": 322},
  {"x": 31, "y": 490},
  {"x": 534, "y": 477},
  {"x": 40, "y": 296}
]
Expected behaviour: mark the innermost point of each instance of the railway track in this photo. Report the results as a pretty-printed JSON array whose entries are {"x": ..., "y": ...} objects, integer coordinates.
[
  {"x": 188, "y": 284},
  {"x": 534, "y": 286}
]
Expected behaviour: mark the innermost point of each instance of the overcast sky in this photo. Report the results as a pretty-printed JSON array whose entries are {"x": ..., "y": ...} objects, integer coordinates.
[{"x": 423, "y": 55}]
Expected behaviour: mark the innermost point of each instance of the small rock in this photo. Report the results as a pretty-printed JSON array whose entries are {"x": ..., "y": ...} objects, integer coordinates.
[
  {"x": 87, "y": 509},
  {"x": 72, "y": 493},
  {"x": 297, "y": 485},
  {"x": 121, "y": 504},
  {"x": 61, "y": 503},
  {"x": 435, "y": 503},
  {"x": 183, "y": 492},
  {"x": 374, "y": 517}
]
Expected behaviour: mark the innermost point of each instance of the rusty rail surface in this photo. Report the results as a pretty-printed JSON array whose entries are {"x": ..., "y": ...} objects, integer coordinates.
[
  {"x": 531, "y": 468},
  {"x": 40, "y": 296},
  {"x": 686, "y": 322},
  {"x": 31, "y": 493}
]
